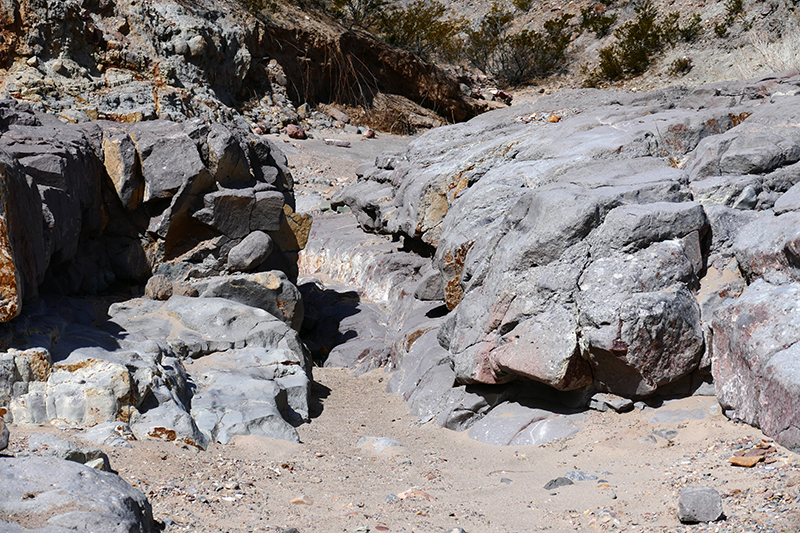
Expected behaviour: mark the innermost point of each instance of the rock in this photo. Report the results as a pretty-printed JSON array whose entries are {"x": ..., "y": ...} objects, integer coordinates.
[
  {"x": 232, "y": 403},
  {"x": 122, "y": 165},
  {"x": 268, "y": 211},
  {"x": 4, "y": 435},
  {"x": 169, "y": 158},
  {"x": 45, "y": 445},
  {"x": 513, "y": 424},
  {"x": 699, "y": 504},
  {"x": 768, "y": 247},
  {"x": 251, "y": 252},
  {"x": 292, "y": 235},
  {"x": 22, "y": 253},
  {"x": 579, "y": 475},
  {"x": 755, "y": 359},
  {"x": 71, "y": 496},
  {"x": 159, "y": 288},
  {"x": 378, "y": 444},
  {"x": 337, "y": 142},
  {"x": 557, "y": 483},
  {"x": 270, "y": 291},
  {"x": 228, "y": 211},
  {"x": 337, "y": 114},
  {"x": 226, "y": 159},
  {"x": 603, "y": 402},
  {"x": 295, "y": 132}
]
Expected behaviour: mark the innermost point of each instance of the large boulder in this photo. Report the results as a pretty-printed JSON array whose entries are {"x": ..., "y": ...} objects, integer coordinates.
[{"x": 68, "y": 496}]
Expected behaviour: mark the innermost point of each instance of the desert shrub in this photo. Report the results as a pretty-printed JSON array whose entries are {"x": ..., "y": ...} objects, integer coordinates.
[
  {"x": 421, "y": 28},
  {"x": 520, "y": 57},
  {"x": 258, "y": 6},
  {"x": 360, "y": 13},
  {"x": 734, "y": 9},
  {"x": 681, "y": 66},
  {"x": 692, "y": 30},
  {"x": 523, "y": 5},
  {"x": 488, "y": 37},
  {"x": 637, "y": 42},
  {"x": 597, "y": 22}
]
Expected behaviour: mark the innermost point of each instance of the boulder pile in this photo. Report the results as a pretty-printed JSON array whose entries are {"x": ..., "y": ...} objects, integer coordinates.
[
  {"x": 200, "y": 212},
  {"x": 641, "y": 245}
]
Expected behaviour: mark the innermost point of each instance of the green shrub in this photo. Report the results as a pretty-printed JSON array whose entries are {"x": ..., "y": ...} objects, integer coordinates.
[
  {"x": 484, "y": 41},
  {"x": 257, "y": 6},
  {"x": 638, "y": 41},
  {"x": 523, "y": 5},
  {"x": 517, "y": 58},
  {"x": 421, "y": 28},
  {"x": 360, "y": 13},
  {"x": 598, "y": 23},
  {"x": 681, "y": 65},
  {"x": 692, "y": 30}
]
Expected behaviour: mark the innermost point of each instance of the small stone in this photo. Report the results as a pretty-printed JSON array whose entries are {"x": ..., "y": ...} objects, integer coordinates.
[
  {"x": 158, "y": 287},
  {"x": 554, "y": 118},
  {"x": 748, "y": 462},
  {"x": 295, "y": 132},
  {"x": 666, "y": 434},
  {"x": 699, "y": 504},
  {"x": 33, "y": 61},
  {"x": 337, "y": 142},
  {"x": 98, "y": 464},
  {"x": 369, "y": 133},
  {"x": 579, "y": 475},
  {"x": 558, "y": 482},
  {"x": 301, "y": 500}
]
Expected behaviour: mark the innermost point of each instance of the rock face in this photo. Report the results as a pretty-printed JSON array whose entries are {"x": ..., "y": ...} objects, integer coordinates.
[
  {"x": 604, "y": 252},
  {"x": 173, "y": 60},
  {"x": 115, "y": 203}
]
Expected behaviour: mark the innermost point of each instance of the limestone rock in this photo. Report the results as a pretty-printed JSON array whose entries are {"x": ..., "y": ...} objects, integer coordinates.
[
  {"x": 755, "y": 359},
  {"x": 159, "y": 288}
]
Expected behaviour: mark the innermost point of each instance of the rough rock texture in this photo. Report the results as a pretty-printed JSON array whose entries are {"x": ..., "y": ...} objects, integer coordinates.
[
  {"x": 68, "y": 496},
  {"x": 592, "y": 254},
  {"x": 699, "y": 504},
  {"x": 85, "y": 205},
  {"x": 171, "y": 60},
  {"x": 189, "y": 370}
]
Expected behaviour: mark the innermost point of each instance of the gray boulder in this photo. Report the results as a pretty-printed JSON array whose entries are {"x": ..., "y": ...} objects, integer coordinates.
[
  {"x": 251, "y": 252},
  {"x": 169, "y": 158},
  {"x": 71, "y": 496},
  {"x": 49, "y": 445}
]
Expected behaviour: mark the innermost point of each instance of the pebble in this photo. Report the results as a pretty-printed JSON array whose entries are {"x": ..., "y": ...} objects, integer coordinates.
[{"x": 558, "y": 482}]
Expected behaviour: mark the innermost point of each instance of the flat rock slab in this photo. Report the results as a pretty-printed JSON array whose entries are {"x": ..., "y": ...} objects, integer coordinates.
[
  {"x": 512, "y": 424},
  {"x": 68, "y": 496}
]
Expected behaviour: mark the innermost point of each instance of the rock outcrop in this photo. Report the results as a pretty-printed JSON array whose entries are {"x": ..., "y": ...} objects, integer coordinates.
[
  {"x": 86, "y": 205},
  {"x": 605, "y": 251}
]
